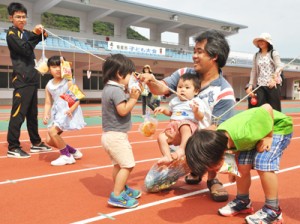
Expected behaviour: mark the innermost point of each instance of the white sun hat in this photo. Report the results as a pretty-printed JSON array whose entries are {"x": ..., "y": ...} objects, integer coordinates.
[{"x": 264, "y": 36}]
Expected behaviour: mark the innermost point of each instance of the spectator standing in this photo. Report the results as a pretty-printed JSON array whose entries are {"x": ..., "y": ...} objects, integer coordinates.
[
  {"x": 146, "y": 94},
  {"x": 265, "y": 73}
]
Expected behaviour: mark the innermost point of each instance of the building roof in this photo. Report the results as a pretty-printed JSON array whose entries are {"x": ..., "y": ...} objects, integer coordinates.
[{"x": 141, "y": 15}]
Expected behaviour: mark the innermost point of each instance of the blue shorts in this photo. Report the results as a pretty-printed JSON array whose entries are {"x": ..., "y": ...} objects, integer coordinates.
[{"x": 267, "y": 160}]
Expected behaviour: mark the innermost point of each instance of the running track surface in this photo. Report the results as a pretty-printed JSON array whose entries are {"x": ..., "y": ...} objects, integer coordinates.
[{"x": 33, "y": 191}]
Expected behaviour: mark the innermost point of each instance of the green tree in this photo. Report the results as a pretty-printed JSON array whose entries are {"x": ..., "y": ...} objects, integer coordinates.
[
  {"x": 3, "y": 13},
  {"x": 50, "y": 20}
]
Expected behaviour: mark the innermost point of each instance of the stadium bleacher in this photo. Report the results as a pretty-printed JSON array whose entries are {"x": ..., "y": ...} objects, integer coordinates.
[
  {"x": 94, "y": 45},
  {"x": 65, "y": 43}
]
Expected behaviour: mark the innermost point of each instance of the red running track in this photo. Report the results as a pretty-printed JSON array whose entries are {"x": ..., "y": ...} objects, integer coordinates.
[{"x": 33, "y": 191}]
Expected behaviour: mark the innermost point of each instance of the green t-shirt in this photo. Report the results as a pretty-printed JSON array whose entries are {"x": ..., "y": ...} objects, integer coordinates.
[{"x": 250, "y": 126}]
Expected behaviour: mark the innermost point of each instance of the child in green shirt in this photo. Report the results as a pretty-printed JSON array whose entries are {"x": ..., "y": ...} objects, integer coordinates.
[{"x": 258, "y": 136}]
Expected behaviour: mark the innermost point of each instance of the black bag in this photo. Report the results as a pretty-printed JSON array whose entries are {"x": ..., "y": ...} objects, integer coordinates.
[{"x": 281, "y": 74}]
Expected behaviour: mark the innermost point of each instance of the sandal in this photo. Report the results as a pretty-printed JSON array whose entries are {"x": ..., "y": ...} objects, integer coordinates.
[
  {"x": 219, "y": 194},
  {"x": 192, "y": 179}
]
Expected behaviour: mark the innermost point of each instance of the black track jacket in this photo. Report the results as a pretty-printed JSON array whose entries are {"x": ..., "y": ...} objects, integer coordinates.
[{"x": 21, "y": 46}]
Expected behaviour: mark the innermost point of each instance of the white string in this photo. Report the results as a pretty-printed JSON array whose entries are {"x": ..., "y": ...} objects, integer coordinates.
[
  {"x": 291, "y": 61},
  {"x": 88, "y": 52},
  {"x": 173, "y": 91},
  {"x": 43, "y": 45},
  {"x": 170, "y": 89},
  {"x": 237, "y": 103}
]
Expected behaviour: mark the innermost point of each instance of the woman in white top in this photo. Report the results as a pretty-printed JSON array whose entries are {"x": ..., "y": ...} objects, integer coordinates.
[{"x": 266, "y": 70}]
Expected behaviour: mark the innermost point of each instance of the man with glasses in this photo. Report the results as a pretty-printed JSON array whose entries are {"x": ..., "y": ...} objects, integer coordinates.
[
  {"x": 25, "y": 80},
  {"x": 210, "y": 55}
]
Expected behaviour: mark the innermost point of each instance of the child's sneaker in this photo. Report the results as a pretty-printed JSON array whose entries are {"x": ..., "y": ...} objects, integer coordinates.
[
  {"x": 132, "y": 192},
  {"x": 77, "y": 154},
  {"x": 265, "y": 215},
  {"x": 236, "y": 207},
  {"x": 63, "y": 160},
  {"x": 123, "y": 200}
]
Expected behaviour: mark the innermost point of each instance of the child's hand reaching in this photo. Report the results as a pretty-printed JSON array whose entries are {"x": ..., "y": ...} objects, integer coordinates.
[
  {"x": 264, "y": 144},
  {"x": 195, "y": 106},
  {"x": 159, "y": 110},
  {"x": 162, "y": 110},
  {"x": 69, "y": 113},
  {"x": 135, "y": 93},
  {"x": 45, "y": 119}
]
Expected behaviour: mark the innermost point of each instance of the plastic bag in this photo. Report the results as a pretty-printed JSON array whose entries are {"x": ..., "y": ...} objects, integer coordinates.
[
  {"x": 72, "y": 95},
  {"x": 229, "y": 165},
  {"x": 88, "y": 74},
  {"x": 163, "y": 177},
  {"x": 134, "y": 83},
  {"x": 148, "y": 127},
  {"x": 66, "y": 71},
  {"x": 145, "y": 91},
  {"x": 42, "y": 65}
]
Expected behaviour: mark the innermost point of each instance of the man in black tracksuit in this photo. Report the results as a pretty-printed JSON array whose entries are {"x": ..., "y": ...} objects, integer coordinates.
[{"x": 25, "y": 80}]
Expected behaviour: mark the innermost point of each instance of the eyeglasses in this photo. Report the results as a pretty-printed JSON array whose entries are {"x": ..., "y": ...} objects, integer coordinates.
[{"x": 20, "y": 17}]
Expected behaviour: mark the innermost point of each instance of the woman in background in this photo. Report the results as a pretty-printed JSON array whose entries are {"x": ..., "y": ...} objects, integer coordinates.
[
  {"x": 266, "y": 70},
  {"x": 146, "y": 94}
]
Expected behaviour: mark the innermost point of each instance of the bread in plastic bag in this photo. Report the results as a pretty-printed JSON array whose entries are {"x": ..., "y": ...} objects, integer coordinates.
[
  {"x": 148, "y": 127},
  {"x": 229, "y": 165},
  {"x": 66, "y": 71},
  {"x": 161, "y": 177},
  {"x": 42, "y": 65}
]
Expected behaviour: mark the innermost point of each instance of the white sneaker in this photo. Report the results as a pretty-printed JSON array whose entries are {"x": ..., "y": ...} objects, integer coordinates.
[
  {"x": 63, "y": 160},
  {"x": 265, "y": 215},
  {"x": 236, "y": 207},
  {"x": 77, "y": 154}
]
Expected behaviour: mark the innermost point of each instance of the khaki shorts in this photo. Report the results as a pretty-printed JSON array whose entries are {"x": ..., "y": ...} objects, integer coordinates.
[{"x": 118, "y": 148}]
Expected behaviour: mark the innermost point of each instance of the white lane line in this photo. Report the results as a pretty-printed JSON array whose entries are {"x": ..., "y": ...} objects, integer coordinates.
[
  {"x": 82, "y": 148},
  {"x": 98, "y": 146},
  {"x": 124, "y": 211},
  {"x": 81, "y": 135},
  {"x": 86, "y": 127},
  {"x": 67, "y": 172}
]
